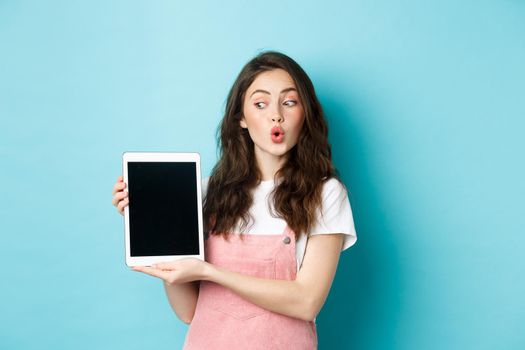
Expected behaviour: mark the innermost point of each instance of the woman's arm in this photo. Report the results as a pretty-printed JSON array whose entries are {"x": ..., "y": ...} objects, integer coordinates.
[
  {"x": 301, "y": 298},
  {"x": 183, "y": 299}
]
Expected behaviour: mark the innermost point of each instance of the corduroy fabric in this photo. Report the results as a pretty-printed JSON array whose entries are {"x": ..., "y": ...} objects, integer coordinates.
[{"x": 224, "y": 320}]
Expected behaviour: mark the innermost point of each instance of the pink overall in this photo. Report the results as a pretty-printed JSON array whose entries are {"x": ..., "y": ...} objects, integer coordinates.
[{"x": 224, "y": 320}]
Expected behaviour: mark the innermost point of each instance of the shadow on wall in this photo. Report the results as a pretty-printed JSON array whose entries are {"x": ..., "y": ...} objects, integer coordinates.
[{"x": 362, "y": 309}]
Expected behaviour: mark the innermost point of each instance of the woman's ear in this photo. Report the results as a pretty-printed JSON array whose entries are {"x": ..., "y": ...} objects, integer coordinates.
[{"x": 243, "y": 123}]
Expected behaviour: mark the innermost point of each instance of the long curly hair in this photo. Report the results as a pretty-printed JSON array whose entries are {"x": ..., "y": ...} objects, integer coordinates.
[{"x": 298, "y": 193}]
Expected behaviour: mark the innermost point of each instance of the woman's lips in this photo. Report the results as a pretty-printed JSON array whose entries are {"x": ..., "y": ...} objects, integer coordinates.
[{"x": 277, "y": 134}]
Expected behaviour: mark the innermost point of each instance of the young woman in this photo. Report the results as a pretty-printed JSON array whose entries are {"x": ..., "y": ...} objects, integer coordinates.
[{"x": 276, "y": 218}]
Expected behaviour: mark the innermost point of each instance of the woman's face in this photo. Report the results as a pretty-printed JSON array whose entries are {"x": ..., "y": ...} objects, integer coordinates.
[{"x": 273, "y": 113}]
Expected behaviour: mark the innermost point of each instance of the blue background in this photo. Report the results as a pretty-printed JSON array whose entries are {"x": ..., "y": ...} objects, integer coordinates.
[{"x": 425, "y": 102}]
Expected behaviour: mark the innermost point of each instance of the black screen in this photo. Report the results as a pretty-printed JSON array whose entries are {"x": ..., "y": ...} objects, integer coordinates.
[{"x": 163, "y": 208}]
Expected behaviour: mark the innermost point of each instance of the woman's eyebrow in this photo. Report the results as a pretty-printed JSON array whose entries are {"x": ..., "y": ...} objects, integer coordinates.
[{"x": 266, "y": 92}]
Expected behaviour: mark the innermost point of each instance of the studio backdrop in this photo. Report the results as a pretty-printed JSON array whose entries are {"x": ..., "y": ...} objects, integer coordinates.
[{"x": 426, "y": 113}]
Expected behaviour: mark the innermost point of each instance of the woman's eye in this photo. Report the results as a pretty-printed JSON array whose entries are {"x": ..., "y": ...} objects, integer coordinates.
[
  {"x": 259, "y": 104},
  {"x": 290, "y": 103}
]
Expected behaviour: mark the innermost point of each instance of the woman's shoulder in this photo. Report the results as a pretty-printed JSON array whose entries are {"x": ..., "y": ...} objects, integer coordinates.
[
  {"x": 336, "y": 213},
  {"x": 334, "y": 187},
  {"x": 331, "y": 187}
]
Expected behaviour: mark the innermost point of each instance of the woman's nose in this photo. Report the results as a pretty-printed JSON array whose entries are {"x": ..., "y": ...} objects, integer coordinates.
[{"x": 278, "y": 119}]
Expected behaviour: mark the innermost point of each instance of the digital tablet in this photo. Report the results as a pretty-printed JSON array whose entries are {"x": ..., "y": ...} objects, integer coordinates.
[{"x": 163, "y": 220}]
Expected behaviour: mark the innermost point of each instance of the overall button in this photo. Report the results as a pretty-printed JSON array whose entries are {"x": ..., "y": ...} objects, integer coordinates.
[{"x": 286, "y": 240}]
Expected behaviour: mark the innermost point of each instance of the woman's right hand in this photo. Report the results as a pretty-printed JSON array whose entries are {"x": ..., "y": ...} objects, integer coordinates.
[{"x": 120, "y": 195}]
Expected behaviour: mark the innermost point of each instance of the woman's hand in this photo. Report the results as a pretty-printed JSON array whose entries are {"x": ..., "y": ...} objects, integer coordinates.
[
  {"x": 178, "y": 271},
  {"x": 120, "y": 196},
  {"x": 173, "y": 272}
]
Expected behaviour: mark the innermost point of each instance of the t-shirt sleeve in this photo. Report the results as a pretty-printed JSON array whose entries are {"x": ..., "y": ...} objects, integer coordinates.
[{"x": 337, "y": 214}]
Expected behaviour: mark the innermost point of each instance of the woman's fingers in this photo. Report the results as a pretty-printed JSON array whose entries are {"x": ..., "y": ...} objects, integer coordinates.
[
  {"x": 118, "y": 197},
  {"x": 165, "y": 266},
  {"x": 122, "y": 204},
  {"x": 119, "y": 186},
  {"x": 165, "y": 275}
]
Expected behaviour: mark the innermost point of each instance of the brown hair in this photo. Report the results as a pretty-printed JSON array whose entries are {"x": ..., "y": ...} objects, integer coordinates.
[{"x": 309, "y": 163}]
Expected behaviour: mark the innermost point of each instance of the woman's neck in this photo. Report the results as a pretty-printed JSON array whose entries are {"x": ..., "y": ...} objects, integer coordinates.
[{"x": 269, "y": 164}]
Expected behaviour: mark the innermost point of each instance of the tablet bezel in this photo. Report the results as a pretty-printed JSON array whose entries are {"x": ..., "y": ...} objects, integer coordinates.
[{"x": 161, "y": 157}]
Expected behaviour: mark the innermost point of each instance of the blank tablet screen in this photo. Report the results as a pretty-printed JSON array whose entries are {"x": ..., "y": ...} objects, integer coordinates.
[{"x": 163, "y": 217}]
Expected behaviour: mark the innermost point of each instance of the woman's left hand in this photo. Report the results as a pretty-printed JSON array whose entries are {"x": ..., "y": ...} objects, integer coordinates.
[{"x": 177, "y": 271}]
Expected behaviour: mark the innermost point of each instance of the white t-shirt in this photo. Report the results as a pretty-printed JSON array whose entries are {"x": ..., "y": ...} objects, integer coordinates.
[{"x": 337, "y": 216}]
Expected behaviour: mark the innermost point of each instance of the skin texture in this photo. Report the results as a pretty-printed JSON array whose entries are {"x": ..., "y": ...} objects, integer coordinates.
[{"x": 269, "y": 101}]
